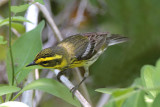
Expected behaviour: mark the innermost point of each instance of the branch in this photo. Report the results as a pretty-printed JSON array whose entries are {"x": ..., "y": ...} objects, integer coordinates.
[
  {"x": 103, "y": 100},
  {"x": 50, "y": 21},
  {"x": 67, "y": 83},
  {"x": 80, "y": 12},
  {"x": 82, "y": 87}
]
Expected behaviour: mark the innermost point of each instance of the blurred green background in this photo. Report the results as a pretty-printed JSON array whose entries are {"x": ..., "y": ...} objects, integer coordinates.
[
  {"x": 119, "y": 65},
  {"x": 139, "y": 20}
]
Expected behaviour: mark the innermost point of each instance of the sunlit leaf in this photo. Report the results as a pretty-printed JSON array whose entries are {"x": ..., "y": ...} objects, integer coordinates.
[
  {"x": 40, "y": 1},
  {"x": 52, "y": 87},
  {"x": 156, "y": 101},
  {"x": 21, "y": 8},
  {"x": 24, "y": 50},
  {"x": 150, "y": 79},
  {"x": 14, "y": 18},
  {"x": 158, "y": 65},
  {"x": 8, "y": 89},
  {"x": 20, "y": 19},
  {"x": 118, "y": 95},
  {"x": 113, "y": 90},
  {"x": 136, "y": 100},
  {"x": 19, "y": 27}
]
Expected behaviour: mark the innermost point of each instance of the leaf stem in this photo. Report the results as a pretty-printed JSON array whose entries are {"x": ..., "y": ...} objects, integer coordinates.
[
  {"x": 10, "y": 47},
  {"x": 17, "y": 95}
]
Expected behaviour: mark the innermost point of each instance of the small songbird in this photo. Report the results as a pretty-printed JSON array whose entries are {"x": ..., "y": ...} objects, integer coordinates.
[{"x": 80, "y": 50}]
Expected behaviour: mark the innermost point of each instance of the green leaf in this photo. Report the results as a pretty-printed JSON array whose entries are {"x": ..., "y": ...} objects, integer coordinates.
[
  {"x": 110, "y": 104},
  {"x": 52, "y": 87},
  {"x": 24, "y": 50},
  {"x": 137, "y": 83},
  {"x": 8, "y": 89},
  {"x": 40, "y": 1},
  {"x": 156, "y": 101},
  {"x": 106, "y": 90},
  {"x": 113, "y": 90},
  {"x": 147, "y": 78},
  {"x": 158, "y": 65},
  {"x": 136, "y": 100},
  {"x": 21, "y": 8},
  {"x": 15, "y": 18},
  {"x": 20, "y": 19},
  {"x": 119, "y": 94},
  {"x": 2, "y": 41},
  {"x": 150, "y": 79},
  {"x": 18, "y": 26}
]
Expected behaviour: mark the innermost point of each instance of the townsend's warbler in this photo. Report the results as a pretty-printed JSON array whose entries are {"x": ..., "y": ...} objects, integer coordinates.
[{"x": 76, "y": 51}]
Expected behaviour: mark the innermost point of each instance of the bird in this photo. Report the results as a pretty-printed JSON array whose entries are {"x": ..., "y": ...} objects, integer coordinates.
[{"x": 79, "y": 50}]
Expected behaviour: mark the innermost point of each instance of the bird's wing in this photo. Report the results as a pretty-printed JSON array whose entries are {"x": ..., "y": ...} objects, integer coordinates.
[
  {"x": 96, "y": 42},
  {"x": 75, "y": 45}
]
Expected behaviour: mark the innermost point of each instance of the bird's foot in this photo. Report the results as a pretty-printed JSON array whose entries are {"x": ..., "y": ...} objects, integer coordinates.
[{"x": 73, "y": 90}]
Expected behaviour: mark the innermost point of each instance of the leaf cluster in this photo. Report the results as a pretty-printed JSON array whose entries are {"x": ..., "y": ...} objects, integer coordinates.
[{"x": 144, "y": 92}]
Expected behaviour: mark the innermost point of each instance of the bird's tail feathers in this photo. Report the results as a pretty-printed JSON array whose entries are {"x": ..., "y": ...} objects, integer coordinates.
[{"x": 116, "y": 39}]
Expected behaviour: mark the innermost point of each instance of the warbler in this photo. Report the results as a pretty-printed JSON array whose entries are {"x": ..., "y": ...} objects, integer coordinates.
[{"x": 80, "y": 50}]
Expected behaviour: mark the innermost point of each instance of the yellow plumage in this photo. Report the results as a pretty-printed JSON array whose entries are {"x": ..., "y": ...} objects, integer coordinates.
[{"x": 76, "y": 51}]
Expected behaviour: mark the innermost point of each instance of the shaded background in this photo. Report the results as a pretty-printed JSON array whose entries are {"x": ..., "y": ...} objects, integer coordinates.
[{"x": 119, "y": 65}]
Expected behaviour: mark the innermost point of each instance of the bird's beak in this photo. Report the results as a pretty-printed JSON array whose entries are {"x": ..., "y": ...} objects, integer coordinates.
[{"x": 31, "y": 64}]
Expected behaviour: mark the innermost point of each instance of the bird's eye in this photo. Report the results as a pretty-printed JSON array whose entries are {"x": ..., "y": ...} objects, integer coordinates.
[{"x": 44, "y": 62}]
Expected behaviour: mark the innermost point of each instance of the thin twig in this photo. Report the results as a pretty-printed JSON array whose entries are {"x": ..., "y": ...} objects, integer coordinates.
[
  {"x": 82, "y": 87},
  {"x": 79, "y": 96},
  {"x": 80, "y": 13},
  {"x": 51, "y": 22},
  {"x": 16, "y": 32},
  {"x": 103, "y": 100},
  {"x": 10, "y": 47}
]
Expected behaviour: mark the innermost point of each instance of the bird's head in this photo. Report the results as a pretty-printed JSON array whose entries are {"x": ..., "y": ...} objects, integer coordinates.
[{"x": 49, "y": 58}]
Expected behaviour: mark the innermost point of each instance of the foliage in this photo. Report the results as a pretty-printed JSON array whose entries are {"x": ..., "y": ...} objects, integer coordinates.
[
  {"x": 144, "y": 92},
  {"x": 8, "y": 89},
  {"x": 21, "y": 8},
  {"x": 52, "y": 87},
  {"x": 139, "y": 20},
  {"x": 22, "y": 52}
]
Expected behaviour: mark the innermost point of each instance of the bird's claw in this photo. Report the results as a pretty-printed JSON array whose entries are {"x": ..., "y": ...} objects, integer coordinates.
[{"x": 73, "y": 90}]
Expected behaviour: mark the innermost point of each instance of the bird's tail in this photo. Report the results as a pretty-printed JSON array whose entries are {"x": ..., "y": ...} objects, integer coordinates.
[{"x": 116, "y": 39}]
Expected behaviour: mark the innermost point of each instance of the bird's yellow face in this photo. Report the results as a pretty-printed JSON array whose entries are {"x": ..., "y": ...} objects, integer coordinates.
[{"x": 49, "y": 59}]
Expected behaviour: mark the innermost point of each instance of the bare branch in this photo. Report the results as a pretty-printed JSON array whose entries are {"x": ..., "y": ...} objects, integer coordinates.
[
  {"x": 79, "y": 96},
  {"x": 51, "y": 22},
  {"x": 103, "y": 100},
  {"x": 80, "y": 13}
]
